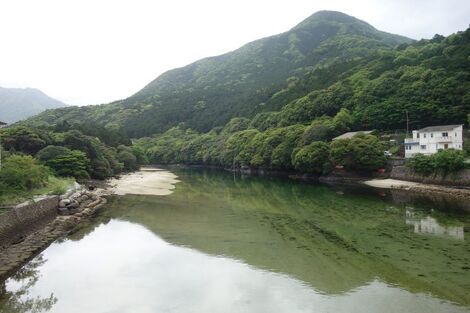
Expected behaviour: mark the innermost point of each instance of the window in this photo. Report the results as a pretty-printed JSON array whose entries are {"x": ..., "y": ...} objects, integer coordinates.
[
  {"x": 417, "y": 135},
  {"x": 424, "y": 135},
  {"x": 423, "y": 147},
  {"x": 446, "y": 146},
  {"x": 445, "y": 134},
  {"x": 455, "y": 134},
  {"x": 432, "y": 135}
]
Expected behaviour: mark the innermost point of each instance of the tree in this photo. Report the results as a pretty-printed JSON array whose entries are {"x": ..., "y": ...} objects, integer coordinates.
[
  {"x": 24, "y": 139},
  {"x": 51, "y": 152},
  {"x": 362, "y": 152},
  {"x": 73, "y": 164},
  {"x": 312, "y": 158}
]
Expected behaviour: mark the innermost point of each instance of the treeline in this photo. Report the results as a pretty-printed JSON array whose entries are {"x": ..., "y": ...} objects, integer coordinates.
[
  {"x": 300, "y": 147},
  {"x": 71, "y": 153}
]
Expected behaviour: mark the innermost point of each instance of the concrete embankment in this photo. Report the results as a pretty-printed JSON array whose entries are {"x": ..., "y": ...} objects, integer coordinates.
[
  {"x": 28, "y": 228},
  {"x": 461, "y": 178}
]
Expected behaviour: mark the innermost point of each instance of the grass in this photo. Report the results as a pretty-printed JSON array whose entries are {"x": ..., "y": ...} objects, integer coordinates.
[{"x": 55, "y": 186}]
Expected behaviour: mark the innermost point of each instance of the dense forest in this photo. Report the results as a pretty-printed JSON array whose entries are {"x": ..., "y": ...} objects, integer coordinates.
[{"x": 276, "y": 103}]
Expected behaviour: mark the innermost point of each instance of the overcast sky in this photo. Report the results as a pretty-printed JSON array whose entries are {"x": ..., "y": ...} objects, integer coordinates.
[{"x": 97, "y": 51}]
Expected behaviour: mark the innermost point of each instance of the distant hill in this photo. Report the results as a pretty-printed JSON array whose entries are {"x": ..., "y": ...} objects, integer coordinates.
[
  {"x": 211, "y": 91},
  {"x": 20, "y": 103}
]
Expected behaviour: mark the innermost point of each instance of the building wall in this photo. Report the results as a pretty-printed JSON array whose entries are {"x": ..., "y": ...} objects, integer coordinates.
[{"x": 431, "y": 142}]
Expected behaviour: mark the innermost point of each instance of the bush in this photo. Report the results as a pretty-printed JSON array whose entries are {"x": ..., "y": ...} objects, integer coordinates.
[
  {"x": 312, "y": 158},
  {"x": 421, "y": 164},
  {"x": 23, "y": 173},
  {"x": 444, "y": 162}
]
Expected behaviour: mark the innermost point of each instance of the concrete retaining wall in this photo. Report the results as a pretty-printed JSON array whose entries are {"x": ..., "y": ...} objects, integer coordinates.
[
  {"x": 461, "y": 178},
  {"x": 23, "y": 219}
]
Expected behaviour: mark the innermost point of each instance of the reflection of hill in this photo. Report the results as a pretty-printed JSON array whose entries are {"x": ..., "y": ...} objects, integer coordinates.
[{"x": 333, "y": 242}]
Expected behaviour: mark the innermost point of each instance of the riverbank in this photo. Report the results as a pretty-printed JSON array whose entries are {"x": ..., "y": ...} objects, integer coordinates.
[
  {"x": 342, "y": 177},
  {"x": 30, "y": 227},
  {"x": 425, "y": 189}
]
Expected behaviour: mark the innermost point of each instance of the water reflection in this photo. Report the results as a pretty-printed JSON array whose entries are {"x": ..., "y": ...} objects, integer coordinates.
[
  {"x": 429, "y": 225},
  {"x": 123, "y": 267},
  {"x": 19, "y": 296}
]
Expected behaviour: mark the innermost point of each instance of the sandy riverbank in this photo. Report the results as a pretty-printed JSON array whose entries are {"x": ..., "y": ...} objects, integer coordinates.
[
  {"x": 391, "y": 183},
  {"x": 147, "y": 181},
  {"x": 427, "y": 189}
]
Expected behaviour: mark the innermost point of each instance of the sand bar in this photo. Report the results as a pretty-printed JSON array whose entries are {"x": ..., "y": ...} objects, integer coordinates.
[{"x": 147, "y": 181}]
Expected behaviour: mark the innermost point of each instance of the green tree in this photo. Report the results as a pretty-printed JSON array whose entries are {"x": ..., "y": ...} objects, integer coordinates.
[
  {"x": 312, "y": 158},
  {"x": 362, "y": 152},
  {"x": 73, "y": 164}
]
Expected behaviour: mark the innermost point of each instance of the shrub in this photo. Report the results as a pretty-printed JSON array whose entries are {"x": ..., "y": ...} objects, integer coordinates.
[
  {"x": 421, "y": 164},
  {"x": 444, "y": 161},
  {"x": 448, "y": 161},
  {"x": 23, "y": 173}
]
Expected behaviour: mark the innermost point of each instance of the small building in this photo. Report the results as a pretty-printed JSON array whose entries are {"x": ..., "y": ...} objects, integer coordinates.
[
  {"x": 349, "y": 135},
  {"x": 3, "y": 124},
  {"x": 431, "y": 139}
]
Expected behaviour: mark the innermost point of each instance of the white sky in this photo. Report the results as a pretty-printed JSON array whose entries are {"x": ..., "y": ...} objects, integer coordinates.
[{"x": 97, "y": 51}]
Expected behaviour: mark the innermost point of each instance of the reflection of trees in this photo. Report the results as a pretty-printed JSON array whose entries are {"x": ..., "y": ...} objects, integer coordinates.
[{"x": 18, "y": 300}]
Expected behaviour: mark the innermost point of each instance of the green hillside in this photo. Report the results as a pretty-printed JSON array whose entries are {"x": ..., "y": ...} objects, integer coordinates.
[{"x": 211, "y": 91}]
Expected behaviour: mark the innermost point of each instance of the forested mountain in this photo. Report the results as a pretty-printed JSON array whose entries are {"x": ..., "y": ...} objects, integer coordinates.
[
  {"x": 277, "y": 102},
  {"x": 209, "y": 92},
  {"x": 20, "y": 103}
]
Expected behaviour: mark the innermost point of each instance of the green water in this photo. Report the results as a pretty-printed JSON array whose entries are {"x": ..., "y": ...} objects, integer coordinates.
[{"x": 225, "y": 243}]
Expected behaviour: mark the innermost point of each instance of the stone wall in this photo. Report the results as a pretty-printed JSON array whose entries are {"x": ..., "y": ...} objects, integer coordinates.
[
  {"x": 461, "y": 178},
  {"x": 25, "y": 218}
]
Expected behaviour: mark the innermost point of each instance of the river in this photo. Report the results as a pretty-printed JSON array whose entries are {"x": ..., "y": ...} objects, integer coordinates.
[{"x": 219, "y": 242}]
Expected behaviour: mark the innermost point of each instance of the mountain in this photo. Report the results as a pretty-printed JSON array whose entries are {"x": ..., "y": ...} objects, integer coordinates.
[
  {"x": 20, "y": 103},
  {"x": 211, "y": 91}
]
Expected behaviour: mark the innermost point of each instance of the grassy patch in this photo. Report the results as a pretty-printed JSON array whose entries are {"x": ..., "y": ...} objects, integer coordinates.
[{"x": 54, "y": 186}]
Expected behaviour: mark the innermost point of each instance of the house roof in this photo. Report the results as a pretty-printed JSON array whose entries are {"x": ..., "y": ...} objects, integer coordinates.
[
  {"x": 438, "y": 128},
  {"x": 352, "y": 134},
  {"x": 3, "y": 123}
]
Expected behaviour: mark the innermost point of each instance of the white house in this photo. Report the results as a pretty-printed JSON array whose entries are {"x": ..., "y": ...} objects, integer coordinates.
[
  {"x": 431, "y": 139},
  {"x": 3, "y": 124}
]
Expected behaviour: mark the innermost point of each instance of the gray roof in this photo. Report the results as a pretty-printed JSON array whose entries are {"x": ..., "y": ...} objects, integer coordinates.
[
  {"x": 438, "y": 128},
  {"x": 352, "y": 134},
  {"x": 3, "y": 123}
]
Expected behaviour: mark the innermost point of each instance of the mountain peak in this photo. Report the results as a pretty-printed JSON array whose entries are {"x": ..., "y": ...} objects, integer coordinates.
[{"x": 330, "y": 17}]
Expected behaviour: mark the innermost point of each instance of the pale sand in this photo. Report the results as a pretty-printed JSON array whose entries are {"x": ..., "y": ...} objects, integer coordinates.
[
  {"x": 147, "y": 181},
  {"x": 392, "y": 183}
]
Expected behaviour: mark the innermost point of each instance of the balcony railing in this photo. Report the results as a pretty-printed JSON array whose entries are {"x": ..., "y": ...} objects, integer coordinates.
[
  {"x": 411, "y": 140},
  {"x": 443, "y": 139}
]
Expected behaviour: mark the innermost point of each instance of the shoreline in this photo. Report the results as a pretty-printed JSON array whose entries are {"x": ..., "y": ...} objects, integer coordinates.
[
  {"x": 79, "y": 205},
  {"x": 65, "y": 214},
  {"x": 378, "y": 181}
]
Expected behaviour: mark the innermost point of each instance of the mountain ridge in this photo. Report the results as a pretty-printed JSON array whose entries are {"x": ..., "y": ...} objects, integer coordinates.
[
  {"x": 20, "y": 103},
  {"x": 251, "y": 74}
]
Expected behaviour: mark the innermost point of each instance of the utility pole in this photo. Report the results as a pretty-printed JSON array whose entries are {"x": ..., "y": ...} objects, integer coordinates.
[{"x": 407, "y": 123}]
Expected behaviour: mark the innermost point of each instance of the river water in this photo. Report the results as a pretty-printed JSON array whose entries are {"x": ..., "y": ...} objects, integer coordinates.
[{"x": 219, "y": 242}]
